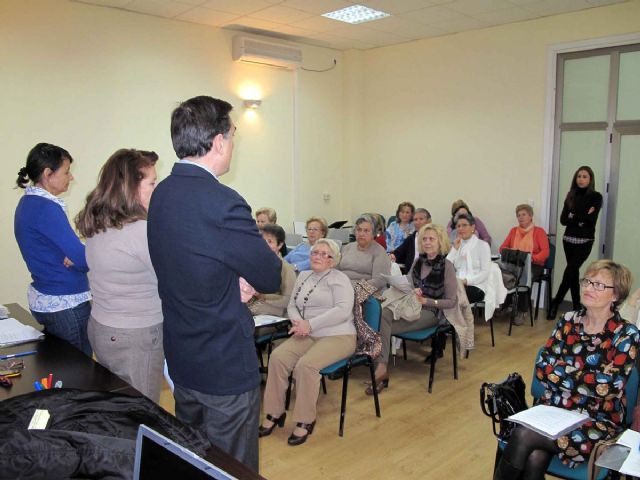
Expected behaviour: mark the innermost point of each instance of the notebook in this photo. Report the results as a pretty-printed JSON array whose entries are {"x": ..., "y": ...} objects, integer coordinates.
[{"x": 159, "y": 457}]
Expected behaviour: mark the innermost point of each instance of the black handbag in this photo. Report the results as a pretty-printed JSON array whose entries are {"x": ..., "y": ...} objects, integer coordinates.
[{"x": 501, "y": 400}]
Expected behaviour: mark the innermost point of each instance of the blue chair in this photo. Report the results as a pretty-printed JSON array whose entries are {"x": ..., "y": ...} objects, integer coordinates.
[
  {"x": 556, "y": 467},
  {"x": 372, "y": 311},
  {"x": 438, "y": 338},
  {"x": 265, "y": 341}
]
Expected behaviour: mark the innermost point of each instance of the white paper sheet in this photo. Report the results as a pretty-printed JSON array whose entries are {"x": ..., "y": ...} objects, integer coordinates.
[{"x": 12, "y": 332}]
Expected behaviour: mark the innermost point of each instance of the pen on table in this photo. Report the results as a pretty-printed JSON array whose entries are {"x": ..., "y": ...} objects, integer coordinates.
[
  {"x": 58, "y": 384},
  {"x": 16, "y": 355},
  {"x": 50, "y": 381},
  {"x": 38, "y": 386}
]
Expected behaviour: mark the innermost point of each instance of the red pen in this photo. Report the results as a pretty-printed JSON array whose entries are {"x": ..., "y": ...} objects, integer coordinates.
[{"x": 50, "y": 381}]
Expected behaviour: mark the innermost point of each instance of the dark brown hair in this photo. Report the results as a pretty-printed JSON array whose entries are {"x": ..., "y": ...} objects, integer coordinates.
[
  {"x": 571, "y": 196},
  {"x": 114, "y": 202},
  {"x": 41, "y": 157}
]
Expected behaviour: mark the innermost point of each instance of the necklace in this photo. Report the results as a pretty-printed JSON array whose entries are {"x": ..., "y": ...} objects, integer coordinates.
[{"x": 305, "y": 299}]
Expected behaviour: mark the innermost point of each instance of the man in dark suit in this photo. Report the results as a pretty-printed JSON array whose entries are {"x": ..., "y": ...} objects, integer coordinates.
[
  {"x": 202, "y": 241},
  {"x": 405, "y": 254}
]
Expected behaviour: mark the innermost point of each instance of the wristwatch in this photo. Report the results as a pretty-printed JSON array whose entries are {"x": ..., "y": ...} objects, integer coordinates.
[{"x": 435, "y": 302}]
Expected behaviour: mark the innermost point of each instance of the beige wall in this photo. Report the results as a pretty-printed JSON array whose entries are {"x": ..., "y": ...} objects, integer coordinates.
[
  {"x": 463, "y": 116},
  {"x": 428, "y": 121},
  {"x": 94, "y": 80}
]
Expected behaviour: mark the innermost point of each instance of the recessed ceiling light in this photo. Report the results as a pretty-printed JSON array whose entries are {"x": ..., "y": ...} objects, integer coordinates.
[{"x": 356, "y": 14}]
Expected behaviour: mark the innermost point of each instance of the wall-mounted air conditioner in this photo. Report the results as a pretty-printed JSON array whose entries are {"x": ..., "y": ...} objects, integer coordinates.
[{"x": 247, "y": 49}]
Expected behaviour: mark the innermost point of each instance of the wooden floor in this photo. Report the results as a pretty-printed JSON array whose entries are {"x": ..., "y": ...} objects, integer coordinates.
[{"x": 442, "y": 435}]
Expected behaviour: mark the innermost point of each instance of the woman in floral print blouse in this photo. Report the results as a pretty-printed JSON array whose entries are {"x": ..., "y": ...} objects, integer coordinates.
[{"x": 584, "y": 365}]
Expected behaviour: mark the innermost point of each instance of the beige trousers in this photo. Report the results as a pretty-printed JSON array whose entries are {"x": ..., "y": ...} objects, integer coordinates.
[{"x": 305, "y": 357}]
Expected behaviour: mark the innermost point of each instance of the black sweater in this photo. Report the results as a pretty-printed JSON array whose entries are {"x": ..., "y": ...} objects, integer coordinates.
[{"x": 580, "y": 223}]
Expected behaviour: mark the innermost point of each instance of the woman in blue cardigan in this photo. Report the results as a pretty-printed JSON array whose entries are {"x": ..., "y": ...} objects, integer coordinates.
[{"x": 59, "y": 294}]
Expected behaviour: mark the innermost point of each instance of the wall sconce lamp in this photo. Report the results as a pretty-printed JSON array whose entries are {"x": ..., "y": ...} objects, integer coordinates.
[{"x": 253, "y": 104}]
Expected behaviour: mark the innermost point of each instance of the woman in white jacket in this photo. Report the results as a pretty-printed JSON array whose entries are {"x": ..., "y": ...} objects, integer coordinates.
[{"x": 471, "y": 257}]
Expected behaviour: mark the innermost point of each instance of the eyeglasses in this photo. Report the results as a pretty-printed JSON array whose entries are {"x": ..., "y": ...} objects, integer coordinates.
[
  {"x": 313, "y": 229},
  {"x": 317, "y": 253},
  {"x": 597, "y": 286}
]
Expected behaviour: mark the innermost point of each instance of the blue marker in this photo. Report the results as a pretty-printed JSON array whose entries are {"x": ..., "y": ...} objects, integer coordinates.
[
  {"x": 38, "y": 386},
  {"x": 16, "y": 355}
]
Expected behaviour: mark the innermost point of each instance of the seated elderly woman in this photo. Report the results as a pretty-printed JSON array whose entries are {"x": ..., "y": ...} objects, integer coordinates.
[
  {"x": 265, "y": 216},
  {"x": 528, "y": 237},
  {"x": 584, "y": 365},
  {"x": 299, "y": 257},
  {"x": 402, "y": 227},
  {"x": 434, "y": 279},
  {"x": 458, "y": 207},
  {"x": 365, "y": 259},
  {"x": 471, "y": 257},
  {"x": 321, "y": 311},
  {"x": 275, "y": 303}
]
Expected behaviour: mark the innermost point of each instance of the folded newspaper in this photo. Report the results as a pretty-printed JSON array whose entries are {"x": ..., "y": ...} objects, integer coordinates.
[{"x": 552, "y": 422}]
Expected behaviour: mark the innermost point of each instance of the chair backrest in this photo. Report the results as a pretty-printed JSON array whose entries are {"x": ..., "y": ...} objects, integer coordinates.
[
  {"x": 292, "y": 239},
  {"x": 372, "y": 311},
  {"x": 551, "y": 259},
  {"x": 392, "y": 219},
  {"x": 630, "y": 390},
  {"x": 340, "y": 234}
]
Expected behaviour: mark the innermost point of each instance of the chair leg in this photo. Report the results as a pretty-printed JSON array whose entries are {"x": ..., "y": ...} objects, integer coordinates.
[
  {"x": 530, "y": 307},
  {"x": 538, "y": 297},
  {"x": 343, "y": 405},
  {"x": 376, "y": 402},
  {"x": 434, "y": 356},
  {"x": 455, "y": 356},
  {"x": 324, "y": 385},
  {"x": 287, "y": 398},
  {"x": 549, "y": 290},
  {"x": 404, "y": 349},
  {"x": 514, "y": 309},
  {"x": 493, "y": 341}
]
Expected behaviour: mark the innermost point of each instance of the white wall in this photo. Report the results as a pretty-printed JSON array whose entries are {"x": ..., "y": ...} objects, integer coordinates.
[
  {"x": 93, "y": 80},
  {"x": 462, "y": 116}
]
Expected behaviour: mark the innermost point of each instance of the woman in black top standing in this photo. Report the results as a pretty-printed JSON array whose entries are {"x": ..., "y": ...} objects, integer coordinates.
[{"x": 579, "y": 216}]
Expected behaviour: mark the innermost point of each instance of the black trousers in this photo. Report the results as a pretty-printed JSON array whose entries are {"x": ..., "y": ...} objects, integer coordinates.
[
  {"x": 229, "y": 421},
  {"x": 576, "y": 256}
]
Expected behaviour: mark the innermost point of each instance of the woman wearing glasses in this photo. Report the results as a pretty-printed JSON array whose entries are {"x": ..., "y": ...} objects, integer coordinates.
[
  {"x": 365, "y": 259},
  {"x": 321, "y": 313},
  {"x": 299, "y": 257},
  {"x": 584, "y": 365}
]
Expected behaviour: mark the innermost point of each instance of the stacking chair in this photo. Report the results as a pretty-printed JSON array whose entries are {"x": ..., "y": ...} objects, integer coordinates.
[
  {"x": 475, "y": 307},
  {"x": 265, "y": 341},
  {"x": 559, "y": 469},
  {"x": 546, "y": 276},
  {"x": 372, "y": 311},
  {"x": 438, "y": 336},
  {"x": 519, "y": 263}
]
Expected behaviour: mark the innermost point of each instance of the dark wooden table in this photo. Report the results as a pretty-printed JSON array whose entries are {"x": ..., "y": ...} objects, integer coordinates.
[{"x": 76, "y": 370}]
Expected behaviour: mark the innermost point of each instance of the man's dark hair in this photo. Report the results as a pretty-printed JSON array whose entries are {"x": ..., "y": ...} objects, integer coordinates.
[{"x": 196, "y": 122}]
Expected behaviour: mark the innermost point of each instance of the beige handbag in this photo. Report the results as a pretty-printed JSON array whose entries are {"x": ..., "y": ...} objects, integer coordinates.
[{"x": 404, "y": 306}]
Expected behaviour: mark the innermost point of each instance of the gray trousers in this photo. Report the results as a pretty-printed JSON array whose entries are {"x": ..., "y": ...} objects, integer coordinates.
[
  {"x": 230, "y": 421},
  {"x": 389, "y": 326},
  {"x": 134, "y": 354}
]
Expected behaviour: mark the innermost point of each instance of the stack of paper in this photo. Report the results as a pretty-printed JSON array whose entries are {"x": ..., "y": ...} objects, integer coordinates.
[
  {"x": 262, "y": 320},
  {"x": 12, "y": 332},
  {"x": 552, "y": 422}
]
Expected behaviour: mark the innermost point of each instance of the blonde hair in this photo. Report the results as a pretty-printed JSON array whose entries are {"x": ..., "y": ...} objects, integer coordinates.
[
  {"x": 269, "y": 212},
  {"x": 443, "y": 238},
  {"x": 525, "y": 206},
  {"x": 620, "y": 275},
  {"x": 332, "y": 245}
]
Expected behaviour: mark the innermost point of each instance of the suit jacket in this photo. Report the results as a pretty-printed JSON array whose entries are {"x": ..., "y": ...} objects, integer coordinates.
[{"x": 202, "y": 238}]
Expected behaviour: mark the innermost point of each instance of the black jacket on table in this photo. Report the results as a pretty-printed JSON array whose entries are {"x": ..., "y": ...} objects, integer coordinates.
[
  {"x": 581, "y": 224},
  {"x": 202, "y": 238}
]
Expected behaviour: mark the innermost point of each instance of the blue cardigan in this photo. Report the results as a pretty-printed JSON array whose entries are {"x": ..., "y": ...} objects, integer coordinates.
[
  {"x": 45, "y": 237},
  {"x": 202, "y": 238}
]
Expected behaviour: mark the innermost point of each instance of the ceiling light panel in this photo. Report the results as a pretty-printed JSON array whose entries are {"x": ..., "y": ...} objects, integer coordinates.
[{"x": 356, "y": 14}]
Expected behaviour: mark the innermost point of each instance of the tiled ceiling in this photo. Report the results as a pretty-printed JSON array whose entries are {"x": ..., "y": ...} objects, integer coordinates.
[{"x": 301, "y": 20}]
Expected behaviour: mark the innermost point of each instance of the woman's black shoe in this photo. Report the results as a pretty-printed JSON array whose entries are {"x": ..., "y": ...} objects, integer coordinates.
[
  {"x": 296, "y": 440},
  {"x": 279, "y": 421},
  {"x": 553, "y": 311}
]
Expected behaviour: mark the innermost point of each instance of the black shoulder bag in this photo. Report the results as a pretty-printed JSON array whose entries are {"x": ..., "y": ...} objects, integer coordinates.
[{"x": 501, "y": 400}]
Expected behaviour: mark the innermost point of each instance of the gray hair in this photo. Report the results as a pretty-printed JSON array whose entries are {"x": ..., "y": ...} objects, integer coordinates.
[
  {"x": 425, "y": 211},
  {"x": 332, "y": 245},
  {"x": 365, "y": 217},
  {"x": 465, "y": 216}
]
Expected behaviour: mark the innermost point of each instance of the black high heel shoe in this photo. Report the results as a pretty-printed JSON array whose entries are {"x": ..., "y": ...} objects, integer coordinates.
[
  {"x": 296, "y": 440},
  {"x": 553, "y": 311},
  {"x": 279, "y": 421}
]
